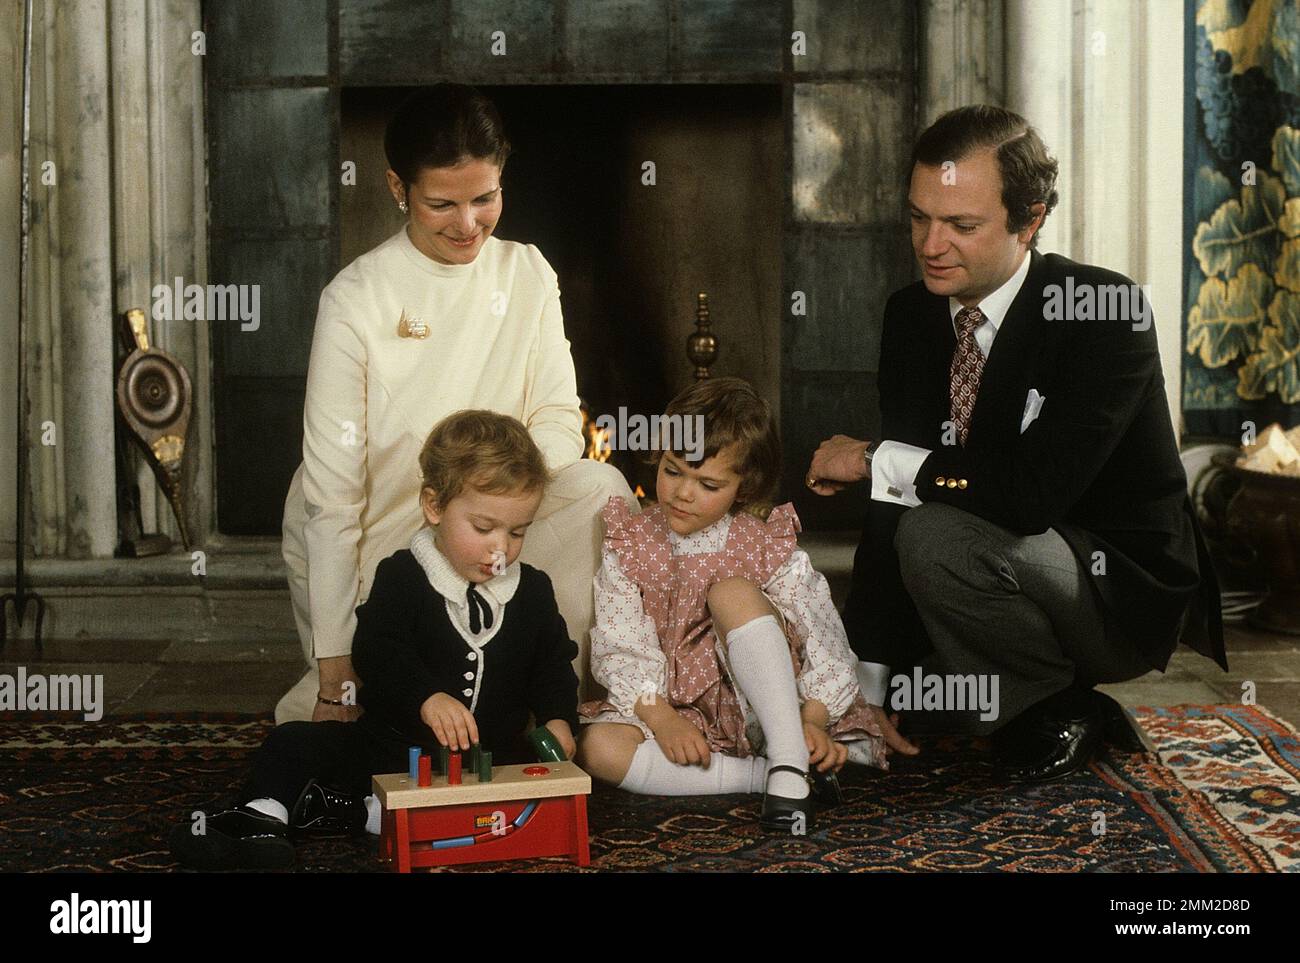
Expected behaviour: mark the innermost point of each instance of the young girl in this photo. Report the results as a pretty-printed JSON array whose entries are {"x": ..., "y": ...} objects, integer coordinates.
[
  {"x": 726, "y": 664},
  {"x": 456, "y": 644}
]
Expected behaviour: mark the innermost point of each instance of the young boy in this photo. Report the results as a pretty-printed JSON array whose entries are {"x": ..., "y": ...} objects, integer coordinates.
[{"x": 456, "y": 644}]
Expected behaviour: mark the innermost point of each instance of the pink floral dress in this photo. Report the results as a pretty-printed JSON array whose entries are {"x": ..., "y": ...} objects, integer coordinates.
[{"x": 653, "y": 633}]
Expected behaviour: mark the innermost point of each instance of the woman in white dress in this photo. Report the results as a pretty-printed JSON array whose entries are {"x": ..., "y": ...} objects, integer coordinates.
[{"x": 441, "y": 316}]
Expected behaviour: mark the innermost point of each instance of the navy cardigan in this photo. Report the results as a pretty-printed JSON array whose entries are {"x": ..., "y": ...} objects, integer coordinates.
[{"x": 406, "y": 650}]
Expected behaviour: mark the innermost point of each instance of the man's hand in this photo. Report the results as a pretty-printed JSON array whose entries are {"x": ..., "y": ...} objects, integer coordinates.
[
  {"x": 836, "y": 464},
  {"x": 564, "y": 736},
  {"x": 335, "y": 673},
  {"x": 450, "y": 721},
  {"x": 894, "y": 740}
]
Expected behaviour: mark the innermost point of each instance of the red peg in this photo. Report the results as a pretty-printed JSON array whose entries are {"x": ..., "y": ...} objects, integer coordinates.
[
  {"x": 426, "y": 770},
  {"x": 453, "y": 769}
]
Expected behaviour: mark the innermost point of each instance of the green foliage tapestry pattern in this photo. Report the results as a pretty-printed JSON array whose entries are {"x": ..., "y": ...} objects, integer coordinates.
[{"x": 1242, "y": 336}]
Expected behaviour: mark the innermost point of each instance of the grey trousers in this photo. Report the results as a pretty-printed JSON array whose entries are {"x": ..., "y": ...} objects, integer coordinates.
[{"x": 1018, "y": 607}]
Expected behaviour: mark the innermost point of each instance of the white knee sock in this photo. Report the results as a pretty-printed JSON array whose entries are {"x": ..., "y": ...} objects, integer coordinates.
[
  {"x": 652, "y": 772},
  {"x": 271, "y": 808},
  {"x": 759, "y": 656}
]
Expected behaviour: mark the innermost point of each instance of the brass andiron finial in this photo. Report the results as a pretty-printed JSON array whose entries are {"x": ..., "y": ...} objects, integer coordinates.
[{"x": 702, "y": 346}]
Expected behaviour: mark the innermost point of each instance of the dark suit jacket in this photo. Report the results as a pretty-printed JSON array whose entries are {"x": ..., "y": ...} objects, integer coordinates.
[{"x": 1100, "y": 465}]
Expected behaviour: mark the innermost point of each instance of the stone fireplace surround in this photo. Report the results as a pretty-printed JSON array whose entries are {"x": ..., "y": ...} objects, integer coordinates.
[{"x": 819, "y": 140}]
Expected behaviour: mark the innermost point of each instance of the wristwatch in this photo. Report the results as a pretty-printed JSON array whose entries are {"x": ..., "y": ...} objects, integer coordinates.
[{"x": 869, "y": 453}]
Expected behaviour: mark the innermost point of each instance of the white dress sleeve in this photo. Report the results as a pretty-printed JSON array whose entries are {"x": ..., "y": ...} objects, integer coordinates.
[
  {"x": 626, "y": 657},
  {"x": 550, "y": 387},
  {"x": 334, "y": 476},
  {"x": 829, "y": 667}
]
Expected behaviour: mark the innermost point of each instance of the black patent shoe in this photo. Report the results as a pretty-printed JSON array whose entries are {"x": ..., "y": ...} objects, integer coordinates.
[
  {"x": 1118, "y": 727},
  {"x": 825, "y": 788},
  {"x": 781, "y": 814},
  {"x": 1072, "y": 745},
  {"x": 322, "y": 810},
  {"x": 238, "y": 838}
]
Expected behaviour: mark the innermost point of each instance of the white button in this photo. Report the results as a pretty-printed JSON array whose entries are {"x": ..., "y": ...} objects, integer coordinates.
[
  {"x": 468, "y": 692},
  {"x": 472, "y": 656},
  {"x": 469, "y": 676}
]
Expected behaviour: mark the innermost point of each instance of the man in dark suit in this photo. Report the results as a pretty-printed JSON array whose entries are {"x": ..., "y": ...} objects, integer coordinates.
[{"x": 1029, "y": 523}]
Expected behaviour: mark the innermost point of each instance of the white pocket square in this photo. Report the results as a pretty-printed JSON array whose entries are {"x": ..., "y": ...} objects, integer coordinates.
[{"x": 1033, "y": 405}]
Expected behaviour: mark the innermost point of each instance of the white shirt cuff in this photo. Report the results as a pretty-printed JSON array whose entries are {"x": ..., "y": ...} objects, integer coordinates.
[
  {"x": 893, "y": 472},
  {"x": 873, "y": 678}
]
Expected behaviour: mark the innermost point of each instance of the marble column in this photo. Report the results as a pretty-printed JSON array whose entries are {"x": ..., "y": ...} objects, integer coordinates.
[
  {"x": 85, "y": 432},
  {"x": 159, "y": 222},
  {"x": 1102, "y": 81},
  {"x": 961, "y": 55},
  {"x": 118, "y": 205}
]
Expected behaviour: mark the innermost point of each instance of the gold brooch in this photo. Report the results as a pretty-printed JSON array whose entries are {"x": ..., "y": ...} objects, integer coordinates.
[{"x": 411, "y": 327}]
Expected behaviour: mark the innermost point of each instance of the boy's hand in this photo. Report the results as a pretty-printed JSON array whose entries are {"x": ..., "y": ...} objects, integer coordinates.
[
  {"x": 823, "y": 751},
  {"x": 450, "y": 721},
  {"x": 564, "y": 735}
]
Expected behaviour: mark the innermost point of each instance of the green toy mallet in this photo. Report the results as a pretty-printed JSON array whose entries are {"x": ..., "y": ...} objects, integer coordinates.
[{"x": 545, "y": 744}]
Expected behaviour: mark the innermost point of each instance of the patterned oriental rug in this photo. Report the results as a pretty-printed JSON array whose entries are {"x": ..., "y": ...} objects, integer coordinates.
[{"x": 1222, "y": 794}]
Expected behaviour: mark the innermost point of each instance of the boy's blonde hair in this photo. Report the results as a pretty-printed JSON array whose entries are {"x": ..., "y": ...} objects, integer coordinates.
[{"x": 483, "y": 450}]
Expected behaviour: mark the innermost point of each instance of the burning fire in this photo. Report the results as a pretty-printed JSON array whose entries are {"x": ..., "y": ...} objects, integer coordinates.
[
  {"x": 598, "y": 443},
  {"x": 598, "y": 446}
]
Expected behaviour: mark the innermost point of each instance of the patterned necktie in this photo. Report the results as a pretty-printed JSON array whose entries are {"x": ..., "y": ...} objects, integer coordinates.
[
  {"x": 964, "y": 373},
  {"x": 476, "y": 602}
]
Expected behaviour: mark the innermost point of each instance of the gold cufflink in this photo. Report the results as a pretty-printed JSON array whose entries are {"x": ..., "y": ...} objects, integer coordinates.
[{"x": 411, "y": 327}]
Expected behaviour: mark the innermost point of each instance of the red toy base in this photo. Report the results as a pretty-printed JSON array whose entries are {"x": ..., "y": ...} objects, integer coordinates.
[{"x": 488, "y": 831}]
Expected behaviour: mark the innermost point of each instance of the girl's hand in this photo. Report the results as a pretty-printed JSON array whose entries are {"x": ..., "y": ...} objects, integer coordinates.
[
  {"x": 564, "y": 735},
  {"x": 450, "y": 721},
  {"x": 681, "y": 741},
  {"x": 823, "y": 751}
]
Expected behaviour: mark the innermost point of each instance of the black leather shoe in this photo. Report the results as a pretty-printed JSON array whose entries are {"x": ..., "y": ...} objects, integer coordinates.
[
  {"x": 782, "y": 814},
  {"x": 325, "y": 811},
  {"x": 1020, "y": 741},
  {"x": 1119, "y": 728},
  {"x": 825, "y": 788},
  {"x": 1072, "y": 744},
  {"x": 238, "y": 838}
]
